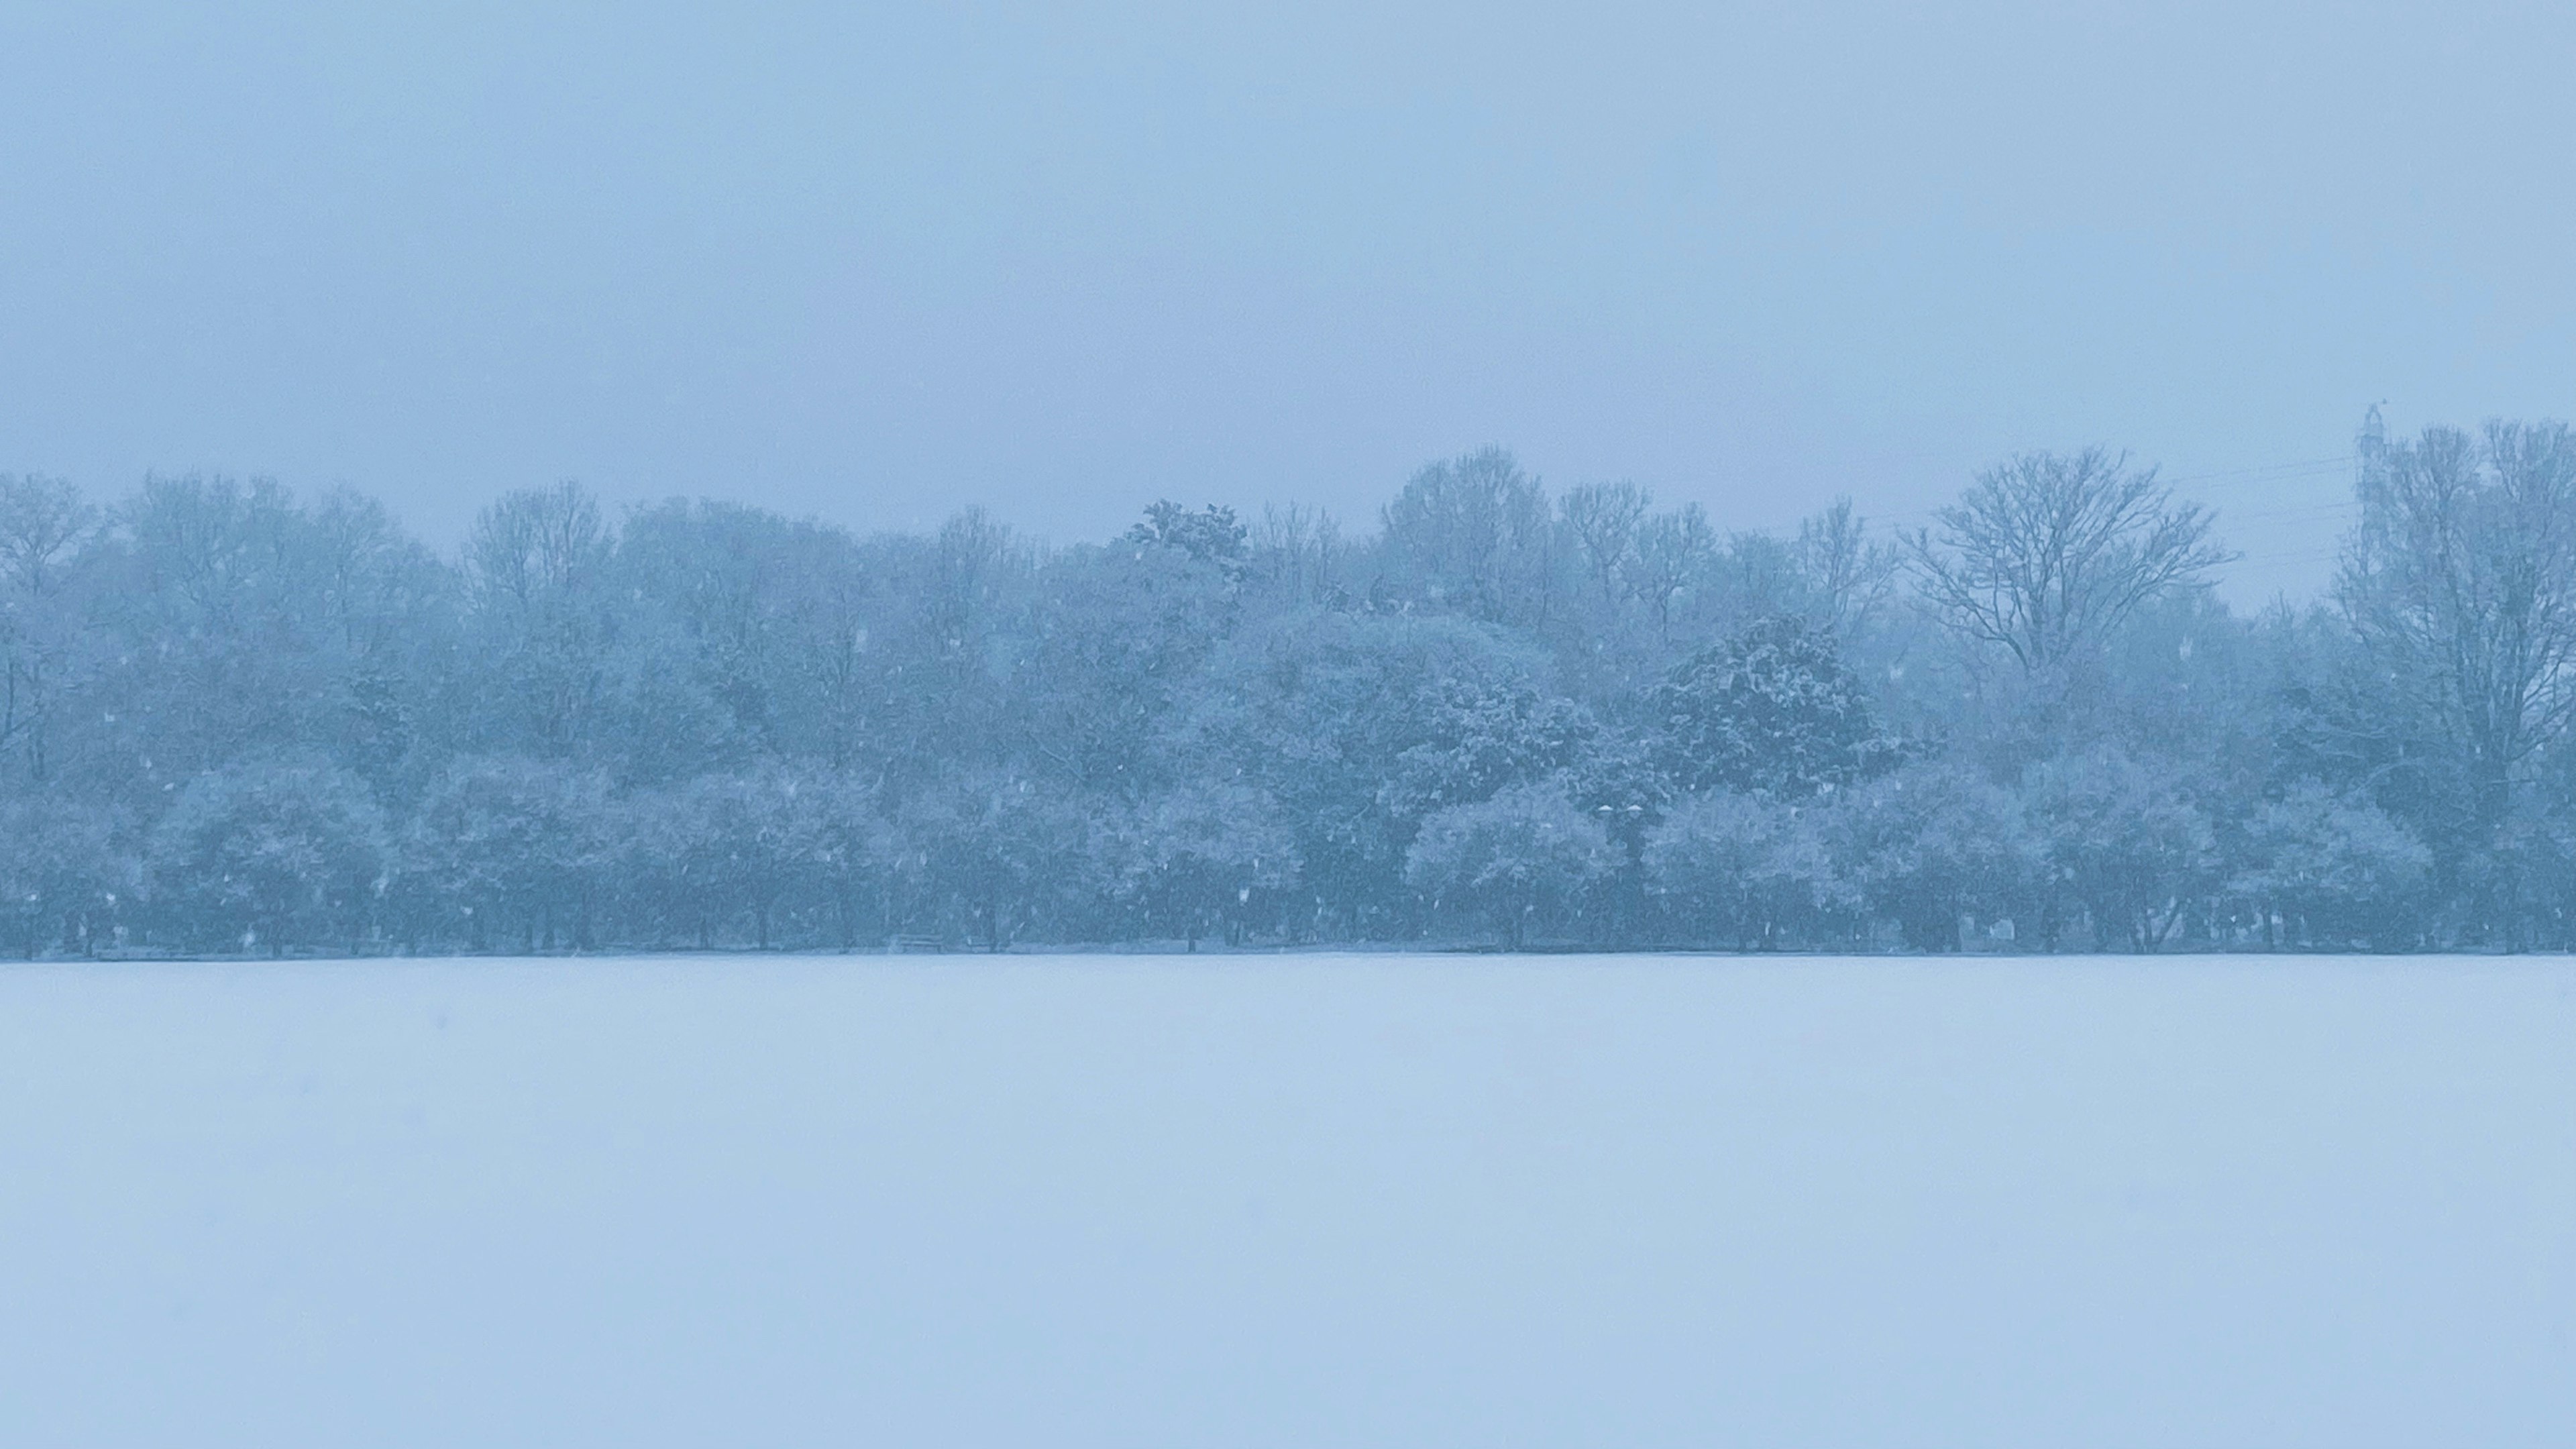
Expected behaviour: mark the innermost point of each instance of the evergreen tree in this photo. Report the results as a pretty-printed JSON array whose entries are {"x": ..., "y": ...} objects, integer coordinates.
[{"x": 1770, "y": 711}]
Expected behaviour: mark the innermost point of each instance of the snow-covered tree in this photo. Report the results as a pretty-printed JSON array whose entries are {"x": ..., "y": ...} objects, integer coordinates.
[
  {"x": 2124, "y": 843},
  {"x": 61, "y": 873},
  {"x": 1207, "y": 858},
  {"x": 2321, "y": 870},
  {"x": 739, "y": 848},
  {"x": 270, "y": 855},
  {"x": 1931, "y": 846},
  {"x": 1770, "y": 711},
  {"x": 1520, "y": 862},
  {"x": 996, "y": 850},
  {"x": 1747, "y": 869},
  {"x": 507, "y": 850}
]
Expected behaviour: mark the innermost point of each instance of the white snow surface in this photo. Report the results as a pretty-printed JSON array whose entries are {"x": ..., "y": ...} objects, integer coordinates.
[{"x": 1300, "y": 1200}]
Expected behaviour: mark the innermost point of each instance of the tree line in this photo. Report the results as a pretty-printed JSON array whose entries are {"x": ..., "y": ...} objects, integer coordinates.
[{"x": 233, "y": 719}]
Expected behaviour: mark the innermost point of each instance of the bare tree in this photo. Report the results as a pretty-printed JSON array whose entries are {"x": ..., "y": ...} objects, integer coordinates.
[
  {"x": 2048, "y": 553},
  {"x": 1299, "y": 550},
  {"x": 535, "y": 564},
  {"x": 2461, "y": 579},
  {"x": 1672, "y": 549},
  {"x": 1475, "y": 531},
  {"x": 534, "y": 542},
  {"x": 43, "y": 525},
  {"x": 1603, "y": 518},
  {"x": 1850, "y": 575}
]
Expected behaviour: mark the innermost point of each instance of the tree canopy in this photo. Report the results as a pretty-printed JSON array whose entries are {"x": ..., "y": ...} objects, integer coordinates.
[{"x": 236, "y": 718}]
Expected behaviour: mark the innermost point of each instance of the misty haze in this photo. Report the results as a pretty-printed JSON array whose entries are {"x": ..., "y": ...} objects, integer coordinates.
[{"x": 1342, "y": 724}]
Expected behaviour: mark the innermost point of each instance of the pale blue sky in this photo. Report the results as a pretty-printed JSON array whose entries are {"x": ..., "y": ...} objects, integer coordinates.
[{"x": 876, "y": 262}]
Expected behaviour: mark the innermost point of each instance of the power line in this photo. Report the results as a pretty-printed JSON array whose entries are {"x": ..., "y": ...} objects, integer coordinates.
[
  {"x": 1897, "y": 523},
  {"x": 2304, "y": 510},
  {"x": 2267, "y": 471}
]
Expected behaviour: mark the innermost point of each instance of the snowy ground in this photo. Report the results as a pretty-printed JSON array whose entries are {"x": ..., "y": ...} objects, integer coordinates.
[{"x": 1289, "y": 1201}]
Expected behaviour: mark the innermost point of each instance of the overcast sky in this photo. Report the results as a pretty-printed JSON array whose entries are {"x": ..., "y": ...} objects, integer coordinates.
[{"x": 875, "y": 262}]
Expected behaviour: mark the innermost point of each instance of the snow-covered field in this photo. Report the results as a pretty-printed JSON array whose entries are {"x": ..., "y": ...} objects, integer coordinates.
[{"x": 1311, "y": 1200}]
